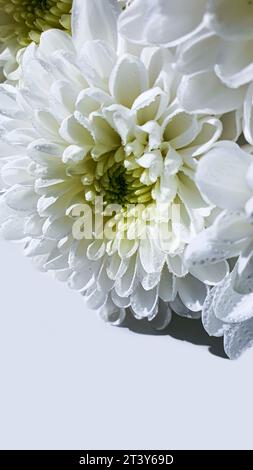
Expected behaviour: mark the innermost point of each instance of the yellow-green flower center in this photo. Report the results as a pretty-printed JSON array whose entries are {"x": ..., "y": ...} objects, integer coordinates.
[
  {"x": 25, "y": 20},
  {"x": 114, "y": 185},
  {"x": 122, "y": 187},
  {"x": 110, "y": 178}
]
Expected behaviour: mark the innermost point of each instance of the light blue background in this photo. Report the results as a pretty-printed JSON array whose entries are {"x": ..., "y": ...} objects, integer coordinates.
[{"x": 69, "y": 381}]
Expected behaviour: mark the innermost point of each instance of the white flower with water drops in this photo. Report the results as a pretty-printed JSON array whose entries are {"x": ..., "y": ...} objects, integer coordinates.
[
  {"x": 94, "y": 118},
  {"x": 225, "y": 177}
]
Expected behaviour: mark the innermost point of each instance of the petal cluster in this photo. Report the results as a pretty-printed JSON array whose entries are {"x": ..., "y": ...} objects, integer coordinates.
[
  {"x": 212, "y": 40},
  {"x": 217, "y": 82},
  {"x": 23, "y": 21}
]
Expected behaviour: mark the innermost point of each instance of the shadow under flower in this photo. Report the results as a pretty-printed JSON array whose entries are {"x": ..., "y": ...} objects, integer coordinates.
[{"x": 180, "y": 328}]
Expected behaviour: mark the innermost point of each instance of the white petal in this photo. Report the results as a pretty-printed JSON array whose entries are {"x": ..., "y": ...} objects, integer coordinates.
[
  {"x": 167, "y": 286},
  {"x": 122, "y": 120},
  {"x": 16, "y": 172},
  {"x": 235, "y": 64},
  {"x": 44, "y": 152},
  {"x": 116, "y": 266},
  {"x": 247, "y": 115},
  {"x": 232, "y": 125},
  {"x": 62, "y": 99},
  {"x": 13, "y": 229},
  {"x": 238, "y": 339},
  {"x": 80, "y": 280},
  {"x": 39, "y": 247},
  {"x": 150, "y": 105},
  {"x": 91, "y": 100},
  {"x": 165, "y": 190},
  {"x": 192, "y": 56},
  {"x": 203, "y": 250},
  {"x": 189, "y": 194},
  {"x": 160, "y": 22},
  {"x": 177, "y": 266},
  {"x": 96, "y": 250},
  {"x": 127, "y": 248},
  {"x": 224, "y": 240},
  {"x": 73, "y": 154},
  {"x": 180, "y": 129},
  {"x": 249, "y": 176},
  {"x": 159, "y": 64},
  {"x": 74, "y": 133},
  {"x": 144, "y": 302},
  {"x": 210, "y": 130},
  {"x": 212, "y": 325},
  {"x": 125, "y": 285},
  {"x": 58, "y": 262},
  {"x": 180, "y": 309},
  {"x": 232, "y": 227},
  {"x": 95, "y": 298},
  {"x": 62, "y": 275},
  {"x": 45, "y": 76},
  {"x": 152, "y": 259},
  {"x": 33, "y": 225},
  {"x": 154, "y": 132},
  {"x": 103, "y": 133},
  {"x": 122, "y": 302},
  {"x": 5, "y": 211},
  {"x": 243, "y": 280},
  {"x": 57, "y": 229},
  {"x": 231, "y": 307},
  {"x": 172, "y": 161},
  {"x": 203, "y": 92},
  {"x": 249, "y": 208},
  {"x": 104, "y": 283},
  {"x": 128, "y": 80},
  {"x": 94, "y": 19},
  {"x": 210, "y": 274},
  {"x": 163, "y": 317},
  {"x": 9, "y": 106},
  {"x": 55, "y": 39},
  {"x": 231, "y": 19},
  {"x": 22, "y": 198},
  {"x": 112, "y": 314},
  {"x": 150, "y": 281},
  {"x": 221, "y": 176},
  {"x": 96, "y": 60},
  {"x": 192, "y": 292}
]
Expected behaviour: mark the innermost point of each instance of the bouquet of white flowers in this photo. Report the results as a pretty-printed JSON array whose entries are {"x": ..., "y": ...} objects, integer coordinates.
[{"x": 126, "y": 154}]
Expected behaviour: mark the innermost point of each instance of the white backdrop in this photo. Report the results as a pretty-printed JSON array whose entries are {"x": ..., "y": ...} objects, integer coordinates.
[{"x": 69, "y": 381}]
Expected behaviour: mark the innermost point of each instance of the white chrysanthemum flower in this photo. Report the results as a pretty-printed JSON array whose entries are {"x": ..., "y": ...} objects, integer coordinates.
[
  {"x": 225, "y": 177},
  {"x": 216, "y": 82},
  {"x": 89, "y": 119}
]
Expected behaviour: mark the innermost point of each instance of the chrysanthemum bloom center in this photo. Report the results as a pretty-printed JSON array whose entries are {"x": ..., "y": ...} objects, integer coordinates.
[
  {"x": 27, "y": 19},
  {"x": 115, "y": 182},
  {"x": 115, "y": 185},
  {"x": 119, "y": 186}
]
